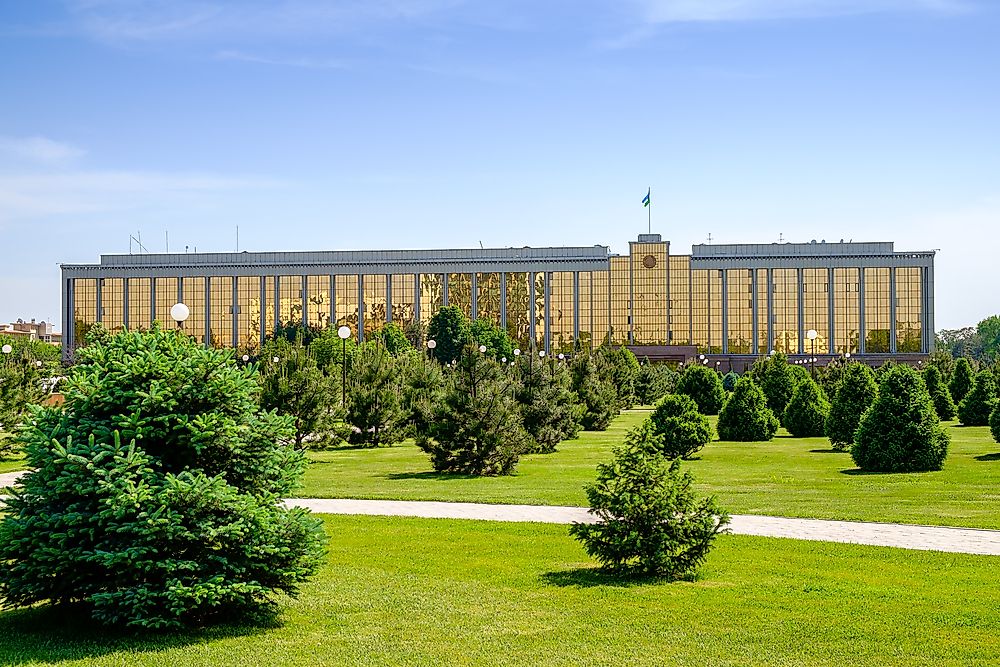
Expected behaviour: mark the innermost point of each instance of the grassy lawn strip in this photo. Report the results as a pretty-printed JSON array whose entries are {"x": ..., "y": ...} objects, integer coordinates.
[
  {"x": 423, "y": 592},
  {"x": 797, "y": 477}
]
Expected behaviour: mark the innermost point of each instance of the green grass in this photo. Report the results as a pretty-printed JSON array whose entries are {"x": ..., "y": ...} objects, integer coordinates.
[
  {"x": 785, "y": 477},
  {"x": 11, "y": 464},
  {"x": 432, "y": 592}
]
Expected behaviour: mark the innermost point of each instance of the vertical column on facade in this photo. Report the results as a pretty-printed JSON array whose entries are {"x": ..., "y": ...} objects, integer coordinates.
[
  {"x": 892, "y": 309},
  {"x": 690, "y": 305},
  {"x": 100, "y": 299},
  {"x": 631, "y": 295},
  {"x": 388, "y": 298},
  {"x": 474, "y": 297},
  {"x": 829, "y": 310},
  {"x": 754, "y": 310},
  {"x": 725, "y": 311},
  {"x": 548, "y": 311},
  {"x": 416, "y": 298},
  {"x": 68, "y": 319},
  {"x": 770, "y": 310},
  {"x": 862, "y": 333},
  {"x": 576, "y": 310},
  {"x": 610, "y": 290},
  {"x": 152, "y": 301},
  {"x": 263, "y": 308},
  {"x": 444, "y": 289},
  {"x": 531, "y": 310},
  {"x": 125, "y": 300},
  {"x": 207, "y": 340},
  {"x": 235, "y": 310},
  {"x": 333, "y": 300},
  {"x": 277, "y": 302},
  {"x": 303, "y": 299},
  {"x": 802, "y": 314},
  {"x": 503, "y": 300},
  {"x": 927, "y": 308},
  {"x": 361, "y": 307}
]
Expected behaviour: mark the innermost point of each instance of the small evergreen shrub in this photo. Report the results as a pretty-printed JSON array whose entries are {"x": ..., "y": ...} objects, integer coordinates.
[
  {"x": 650, "y": 522},
  {"x": 962, "y": 378},
  {"x": 704, "y": 386},
  {"x": 775, "y": 377},
  {"x": 549, "y": 410},
  {"x": 855, "y": 393},
  {"x": 746, "y": 417},
  {"x": 654, "y": 382},
  {"x": 729, "y": 381},
  {"x": 806, "y": 413},
  {"x": 294, "y": 386},
  {"x": 900, "y": 432},
  {"x": 678, "y": 429},
  {"x": 995, "y": 422},
  {"x": 595, "y": 394},
  {"x": 938, "y": 390},
  {"x": 374, "y": 408},
  {"x": 621, "y": 368},
  {"x": 975, "y": 408}
]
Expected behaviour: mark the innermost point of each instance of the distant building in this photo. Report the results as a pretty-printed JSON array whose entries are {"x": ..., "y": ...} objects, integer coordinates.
[
  {"x": 32, "y": 330},
  {"x": 740, "y": 300}
]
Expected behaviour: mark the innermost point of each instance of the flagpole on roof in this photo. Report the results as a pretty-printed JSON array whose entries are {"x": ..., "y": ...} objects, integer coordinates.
[{"x": 649, "y": 212}]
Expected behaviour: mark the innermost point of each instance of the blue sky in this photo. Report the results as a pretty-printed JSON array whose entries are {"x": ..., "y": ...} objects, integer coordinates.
[{"x": 443, "y": 123}]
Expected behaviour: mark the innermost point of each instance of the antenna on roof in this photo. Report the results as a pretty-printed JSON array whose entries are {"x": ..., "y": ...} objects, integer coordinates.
[
  {"x": 237, "y": 238},
  {"x": 480, "y": 245},
  {"x": 138, "y": 243},
  {"x": 710, "y": 238},
  {"x": 781, "y": 238},
  {"x": 166, "y": 239}
]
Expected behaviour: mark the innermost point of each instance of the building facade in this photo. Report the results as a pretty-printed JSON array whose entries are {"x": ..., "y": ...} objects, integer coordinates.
[{"x": 739, "y": 300}]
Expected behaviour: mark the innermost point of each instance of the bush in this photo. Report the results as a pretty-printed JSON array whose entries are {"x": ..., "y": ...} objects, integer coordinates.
[
  {"x": 776, "y": 378},
  {"x": 995, "y": 423},
  {"x": 938, "y": 390},
  {"x": 619, "y": 367},
  {"x": 901, "y": 431},
  {"x": 746, "y": 417},
  {"x": 154, "y": 495},
  {"x": 595, "y": 394},
  {"x": 654, "y": 382},
  {"x": 805, "y": 416},
  {"x": 678, "y": 429},
  {"x": 549, "y": 410},
  {"x": 373, "y": 397},
  {"x": 729, "y": 381},
  {"x": 704, "y": 386},
  {"x": 476, "y": 427},
  {"x": 450, "y": 330},
  {"x": 855, "y": 393},
  {"x": 961, "y": 380},
  {"x": 975, "y": 408},
  {"x": 649, "y": 520}
]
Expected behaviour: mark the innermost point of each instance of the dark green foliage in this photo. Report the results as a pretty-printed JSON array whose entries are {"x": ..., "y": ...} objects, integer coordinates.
[
  {"x": 654, "y": 382},
  {"x": 678, "y": 429},
  {"x": 806, "y": 413},
  {"x": 995, "y": 422},
  {"x": 594, "y": 392},
  {"x": 154, "y": 496},
  {"x": 776, "y": 379},
  {"x": 22, "y": 384},
  {"x": 961, "y": 380},
  {"x": 943, "y": 405},
  {"x": 294, "y": 386},
  {"x": 293, "y": 331},
  {"x": 945, "y": 363},
  {"x": 619, "y": 366},
  {"x": 330, "y": 351},
  {"x": 374, "y": 410},
  {"x": 882, "y": 371},
  {"x": 393, "y": 339},
  {"x": 650, "y": 522},
  {"x": 704, "y": 386},
  {"x": 498, "y": 342},
  {"x": 423, "y": 389},
  {"x": 450, "y": 330},
  {"x": 729, "y": 381},
  {"x": 746, "y": 417},
  {"x": 476, "y": 427},
  {"x": 828, "y": 377},
  {"x": 549, "y": 410},
  {"x": 901, "y": 431},
  {"x": 975, "y": 408},
  {"x": 855, "y": 394}
]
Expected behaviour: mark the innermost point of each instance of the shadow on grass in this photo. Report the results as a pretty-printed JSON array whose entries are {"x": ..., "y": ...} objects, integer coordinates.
[
  {"x": 589, "y": 577},
  {"x": 50, "y": 634},
  {"x": 430, "y": 475},
  {"x": 988, "y": 457},
  {"x": 860, "y": 472},
  {"x": 828, "y": 451}
]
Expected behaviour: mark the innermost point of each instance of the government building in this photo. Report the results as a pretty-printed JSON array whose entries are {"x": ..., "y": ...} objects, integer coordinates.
[{"x": 737, "y": 301}]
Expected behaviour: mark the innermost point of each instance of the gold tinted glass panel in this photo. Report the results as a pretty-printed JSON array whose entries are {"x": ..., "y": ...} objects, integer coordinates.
[
  {"x": 431, "y": 295},
  {"x": 715, "y": 311},
  {"x": 846, "y": 312},
  {"x": 600, "y": 300},
  {"x": 220, "y": 312},
  {"x": 347, "y": 302},
  {"x": 649, "y": 293},
  {"x": 375, "y": 303},
  {"x": 739, "y": 311},
  {"x": 290, "y": 299},
  {"x": 699, "y": 309},
  {"x": 460, "y": 292},
  {"x": 404, "y": 303},
  {"x": 113, "y": 303},
  {"x": 561, "y": 312},
  {"x": 194, "y": 298},
  {"x": 84, "y": 308},
  {"x": 318, "y": 300},
  {"x": 166, "y": 297},
  {"x": 269, "y": 301},
  {"x": 816, "y": 309},
  {"x": 248, "y": 305},
  {"x": 518, "y": 308},
  {"x": 488, "y": 297},
  {"x": 620, "y": 300},
  {"x": 877, "y": 310},
  {"x": 586, "y": 338},
  {"x": 761, "y": 297},
  {"x": 139, "y": 307},
  {"x": 786, "y": 311},
  {"x": 539, "y": 310},
  {"x": 909, "y": 300},
  {"x": 680, "y": 300}
]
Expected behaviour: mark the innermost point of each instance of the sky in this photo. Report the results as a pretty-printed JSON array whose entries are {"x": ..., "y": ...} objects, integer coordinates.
[{"x": 358, "y": 124}]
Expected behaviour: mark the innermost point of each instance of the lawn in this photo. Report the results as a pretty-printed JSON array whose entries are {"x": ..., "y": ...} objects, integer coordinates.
[
  {"x": 785, "y": 477},
  {"x": 425, "y": 592}
]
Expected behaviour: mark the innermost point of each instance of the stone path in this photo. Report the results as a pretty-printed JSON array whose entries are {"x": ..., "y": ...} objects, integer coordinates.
[{"x": 903, "y": 536}]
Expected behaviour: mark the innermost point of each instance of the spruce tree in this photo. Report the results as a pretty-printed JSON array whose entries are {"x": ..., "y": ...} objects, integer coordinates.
[
  {"x": 975, "y": 408},
  {"x": 677, "y": 428},
  {"x": 374, "y": 408},
  {"x": 855, "y": 393},
  {"x": 938, "y": 390},
  {"x": 776, "y": 379},
  {"x": 549, "y": 410},
  {"x": 806, "y": 413},
  {"x": 704, "y": 386},
  {"x": 595, "y": 394},
  {"x": 962, "y": 378},
  {"x": 746, "y": 417},
  {"x": 293, "y": 385},
  {"x": 154, "y": 497},
  {"x": 901, "y": 431},
  {"x": 654, "y": 382}
]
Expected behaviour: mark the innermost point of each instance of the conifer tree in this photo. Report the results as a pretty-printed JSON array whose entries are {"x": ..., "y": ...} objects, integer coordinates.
[
  {"x": 549, "y": 410},
  {"x": 975, "y": 408},
  {"x": 962, "y": 378},
  {"x": 677, "y": 428},
  {"x": 806, "y": 413},
  {"x": 594, "y": 392},
  {"x": 938, "y": 390},
  {"x": 901, "y": 431},
  {"x": 374, "y": 409},
  {"x": 746, "y": 417},
  {"x": 855, "y": 393},
  {"x": 704, "y": 386},
  {"x": 776, "y": 378}
]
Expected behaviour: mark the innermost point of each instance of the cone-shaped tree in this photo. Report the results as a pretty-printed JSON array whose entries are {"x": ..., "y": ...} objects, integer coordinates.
[
  {"x": 901, "y": 431},
  {"x": 961, "y": 380},
  {"x": 975, "y": 408},
  {"x": 293, "y": 385},
  {"x": 703, "y": 385},
  {"x": 776, "y": 378},
  {"x": 451, "y": 332},
  {"x": 654, "y": 382},
  {"x": 806, "y": 413},
  {"x": 549, "y": 410},
  {"x": 594, "y": 392},
  {"x": 154, "y": 497},
  {"x": 374, "y": 408},
  {"x": 746, "y": 417},
  {"x": 678, "y": 429},
  {"x": 995, "y": 422},
  {"x": 855, "y": 393},
  {"x": 938, "y": 390}
]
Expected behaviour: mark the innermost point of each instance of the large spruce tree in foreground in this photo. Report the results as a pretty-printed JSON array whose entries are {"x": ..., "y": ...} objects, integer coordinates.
[
  {"x": 155, "y": 495},
  {"x": 901, "y": 431}
]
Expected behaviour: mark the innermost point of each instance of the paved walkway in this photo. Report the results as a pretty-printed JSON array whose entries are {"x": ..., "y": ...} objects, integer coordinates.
[{"x": 926, "y": 538}]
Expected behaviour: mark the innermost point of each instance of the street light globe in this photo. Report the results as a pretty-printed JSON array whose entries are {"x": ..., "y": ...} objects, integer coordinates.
[
  {"x": 6, "y": 349},
  {"x": 541, "y": 353},
  {"x": 179, "y": 312},
  {"x": 705, "y": 361},
  {"x": 561, "y": 356},
  {"x": 344, "y": 332},
  {"x": 275, "y": 359},
  {"x": 246, "y": 357},
  {"x": 517, "y": 352},
  {"x": 771, "y": 352},
  {"x": 701, "y": 356},
  {"x": 38, "y": 364},
  {"x": 811, "y": 334},
  {"x": 503, "y": 360},
  {"x": 482, "y": 348},
  {"x": 431, "y": 344},
  {"x": 847, "y": 355}
]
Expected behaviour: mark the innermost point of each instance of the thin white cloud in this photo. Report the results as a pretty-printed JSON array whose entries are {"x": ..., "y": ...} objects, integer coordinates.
[
  {"x": 38, "y": 150},
  {"x": 308, "y": 63},
  {"x": 678, "y": 11}
]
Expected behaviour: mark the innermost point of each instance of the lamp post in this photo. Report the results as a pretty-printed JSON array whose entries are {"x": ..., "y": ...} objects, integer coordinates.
[
  {"x": 180, "y": 312},
  {"x": 344, "y": 333},
  {"x": 6, "y": 349},
  {"x": 811, "y": 335}
]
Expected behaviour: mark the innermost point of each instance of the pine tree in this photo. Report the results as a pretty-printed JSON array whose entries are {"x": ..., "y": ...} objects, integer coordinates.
[
  {"x": 746, "y": 417},
  {"x": 776, "y": 379},
  {"x": 374, "y": 408},
  {"x": 938, "y": 390},
  {"x": 806, "y": 413},
  {"x": 595, "y": 394},
  {"x": 678, "y": 429},
  {"x": 549, "y": 410},
  {"x": 292, "y": 384},
  {"x": 154, "y": 493},
  {"x": 975, "y": 408},
  {"x": 901, "y": 431},
  {"x": 855, "y": 393},
  {"x": 962, "y": 378},
  {"x": 654, "y": 382},
  {"x": 704, "y": 386}
]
